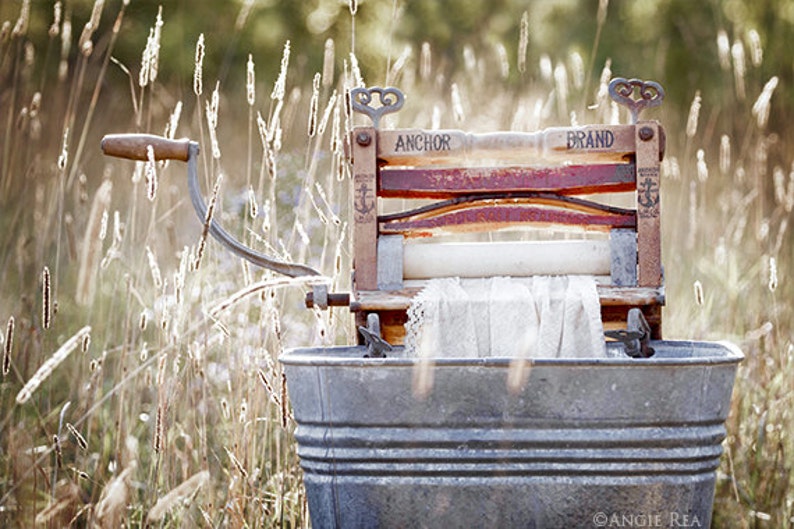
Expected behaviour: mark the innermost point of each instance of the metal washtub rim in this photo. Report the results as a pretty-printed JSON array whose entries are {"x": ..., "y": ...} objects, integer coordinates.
[{"x": 301, "y": 356}]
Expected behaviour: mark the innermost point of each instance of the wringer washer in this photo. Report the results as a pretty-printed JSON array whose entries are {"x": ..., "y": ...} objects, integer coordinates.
[{"x": 582, "y": 438}]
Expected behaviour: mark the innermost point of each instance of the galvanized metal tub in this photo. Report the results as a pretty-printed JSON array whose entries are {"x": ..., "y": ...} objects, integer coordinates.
[{"x": 583, "y": 443}]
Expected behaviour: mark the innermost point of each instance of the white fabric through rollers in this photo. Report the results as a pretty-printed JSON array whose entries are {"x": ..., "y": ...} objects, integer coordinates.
[{"x": 534, "y": 317}]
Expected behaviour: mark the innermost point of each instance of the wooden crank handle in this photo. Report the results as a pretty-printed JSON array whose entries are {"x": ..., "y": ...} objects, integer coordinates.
[{"x": 135, "y": 146}]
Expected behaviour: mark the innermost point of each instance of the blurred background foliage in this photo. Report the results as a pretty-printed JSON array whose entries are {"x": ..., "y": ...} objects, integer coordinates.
[
  {"x": 674, "y": 42},
  {"x": 670, "y": 40}
]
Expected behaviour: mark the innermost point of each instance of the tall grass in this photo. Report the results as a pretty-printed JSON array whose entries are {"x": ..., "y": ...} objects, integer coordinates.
[{"x": 172, "y": 410}]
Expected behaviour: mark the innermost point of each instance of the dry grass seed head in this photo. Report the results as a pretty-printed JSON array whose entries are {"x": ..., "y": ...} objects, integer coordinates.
[
  {"x": 81, "y": 442},
  {"x": 329, "y": 108},
  {"x": 355, "y": 71},
  {"x": 281, "y": 82},
  {"x": 113, "y": 502},
  {"x": 8, "y": 345},
  {"x": 21, "y": 26},
  {"x": 56, "y": 444},
  {"x": 186, "y": 489},
  {"x": 724, "y": 50},
  {"x": 239, "y": 466},
  {"x": 253, "y": 207},
  {"x": 57, "y": 10},
  {"x": 457, "y": 105},
  {"x": 725, "y": 154},
  {"x": 159, "y": 429},
  {"x": 756, "y": 51},
  {"x": 698, "y": 288},
  {"x": 92, "y": 244},
  {"x": 313, "y": 105},
  {"x": 46, "y": 299},
  {"x": 151, "y": 174},
  {"x": 285, "y": 415},
  {"x": 694, "y": 114},
  {"x": 762, "y": 105},
  {"x": 157, "y": 278},
  {"x": 48, "y": 366},
  {"x": 173, "y": 121},
  {"x": 577, "y": 69},
  {"x": 328, "y": 63},
  {"x": 207, "y": 221},
  {"x": 773, "y": 283},
  {"x": 523, "y": 42},
  {"x": 739, "y": 68},
  {"x": 250, "y": 81},
  {"x": 702, "y": 167},
  {"x": 198, "y": 86}
]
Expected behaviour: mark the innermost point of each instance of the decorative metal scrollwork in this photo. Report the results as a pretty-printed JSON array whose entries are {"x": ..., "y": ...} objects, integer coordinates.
[
  {"x": 622, "y": 92},
  {"x": 390, "y": 99}
]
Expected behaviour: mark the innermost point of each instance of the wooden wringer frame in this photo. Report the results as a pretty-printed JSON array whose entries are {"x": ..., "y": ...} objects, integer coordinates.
[{"x": 488, "y": 182}]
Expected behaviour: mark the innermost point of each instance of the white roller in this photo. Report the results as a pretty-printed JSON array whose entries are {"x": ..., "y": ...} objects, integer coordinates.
[{"x": 517, "y": 259}]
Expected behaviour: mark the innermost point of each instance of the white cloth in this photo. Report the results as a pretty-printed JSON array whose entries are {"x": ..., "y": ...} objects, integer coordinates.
[{"x": 535, "y": 317}]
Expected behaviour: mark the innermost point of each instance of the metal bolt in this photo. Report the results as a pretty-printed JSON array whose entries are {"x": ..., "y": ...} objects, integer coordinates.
[
  {"x": 646, "y": 133},
  {"x": 363, "y": 139}
]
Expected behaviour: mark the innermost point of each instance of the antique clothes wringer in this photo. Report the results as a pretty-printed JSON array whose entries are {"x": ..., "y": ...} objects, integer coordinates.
[
  {"x": 484, "y": 182},
  {"x": 579, "y": 437}
]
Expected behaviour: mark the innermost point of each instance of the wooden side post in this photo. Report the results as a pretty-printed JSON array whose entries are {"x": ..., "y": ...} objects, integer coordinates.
[
  {"x": 648, "y": 207},
  {"x": 365, "y": 210}
]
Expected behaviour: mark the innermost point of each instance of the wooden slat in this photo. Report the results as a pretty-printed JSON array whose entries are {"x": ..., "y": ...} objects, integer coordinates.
[
  {"x": 648, "y": 205},
  {"x": 365, "y": 208},
  {"x": 378, "y": 300},
  {"x": 486, "y": 218},
  {"x": 423, "y": 147},
  {"x": 434, "y": 182}
]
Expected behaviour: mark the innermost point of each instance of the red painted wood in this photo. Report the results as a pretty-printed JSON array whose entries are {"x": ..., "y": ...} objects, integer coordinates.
[{"x": 430, "y": 182}]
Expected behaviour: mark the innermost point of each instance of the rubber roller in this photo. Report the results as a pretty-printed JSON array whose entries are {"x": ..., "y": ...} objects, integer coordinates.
[{"x": 490, "y": 259}]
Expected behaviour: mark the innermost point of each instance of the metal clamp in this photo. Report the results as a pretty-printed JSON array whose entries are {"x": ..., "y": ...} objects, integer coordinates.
[
  {"x": 636, "y": 337},
  {"x": 622, "y": 92},
  {"x": 391, "y": 100},
  {"x": 376, "y": 345}
]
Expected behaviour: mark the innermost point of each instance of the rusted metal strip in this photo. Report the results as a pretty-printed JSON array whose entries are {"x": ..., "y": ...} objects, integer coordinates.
[
  {"x": 423, "y": 147},
  {"x": 485, "y": 218},
  {"x": 491, "y": 199},
  {"x": 448, "y": 182}
]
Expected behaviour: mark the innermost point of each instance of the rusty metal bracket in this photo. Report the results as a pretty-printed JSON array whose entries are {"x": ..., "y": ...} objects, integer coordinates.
[
  {"x": 636, "y": 337},
  {"x": 622, "y": 92},
  {"x": 376, "y": 345},
  {"x": 391, "y": 100}
]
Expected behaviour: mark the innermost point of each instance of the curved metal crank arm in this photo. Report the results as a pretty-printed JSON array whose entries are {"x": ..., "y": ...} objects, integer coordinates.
[{"x": 136, "y": 146}]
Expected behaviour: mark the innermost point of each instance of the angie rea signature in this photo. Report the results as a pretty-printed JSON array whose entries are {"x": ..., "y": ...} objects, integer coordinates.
[{"x": 659, "y": 519}]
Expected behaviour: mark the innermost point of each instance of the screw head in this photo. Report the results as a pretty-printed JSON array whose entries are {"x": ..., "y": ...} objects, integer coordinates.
[
  {"x": 646, "y": 133},
  {"x": 363, "y": 139}
]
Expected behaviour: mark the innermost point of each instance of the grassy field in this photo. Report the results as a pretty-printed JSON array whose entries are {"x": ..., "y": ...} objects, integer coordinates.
[{"x": 140, "y": 383}]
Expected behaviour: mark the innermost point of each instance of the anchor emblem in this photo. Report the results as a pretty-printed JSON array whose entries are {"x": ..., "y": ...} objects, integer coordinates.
[
  {"x": 649, "y": 193},
  {"x": 648, "y": 197},
  {"x": 364, "y": 203}
]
